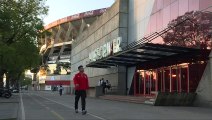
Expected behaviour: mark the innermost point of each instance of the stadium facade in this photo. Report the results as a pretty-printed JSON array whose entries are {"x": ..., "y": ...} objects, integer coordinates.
[{"x": 146, "y": 47}]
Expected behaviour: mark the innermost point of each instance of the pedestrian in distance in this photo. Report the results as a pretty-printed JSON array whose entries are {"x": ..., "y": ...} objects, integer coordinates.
[
  {"x": 81, "y": 85},
  {"x": 61, "y": 90},
  {"x": 103, "y": 84}
]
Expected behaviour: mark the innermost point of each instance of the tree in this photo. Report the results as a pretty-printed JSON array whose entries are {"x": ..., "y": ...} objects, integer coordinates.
[
  {"x": 65, "y": 66},
  {"x": 195, "y": 32},
  {"x": 20, "y": 24},
  {"x": 26, "y": 81}
]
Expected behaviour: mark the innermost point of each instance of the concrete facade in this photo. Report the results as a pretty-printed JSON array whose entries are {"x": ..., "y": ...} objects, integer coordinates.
[
  {"x": 204, "y": 96},
  {"x": 112, "y": 24}
]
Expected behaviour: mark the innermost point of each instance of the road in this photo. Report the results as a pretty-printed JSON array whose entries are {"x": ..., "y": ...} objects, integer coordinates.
[{"x": 50, "y": 106}]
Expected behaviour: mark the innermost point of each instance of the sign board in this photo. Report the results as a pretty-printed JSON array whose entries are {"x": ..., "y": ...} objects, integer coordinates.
[{"x": 105, "y": 50}]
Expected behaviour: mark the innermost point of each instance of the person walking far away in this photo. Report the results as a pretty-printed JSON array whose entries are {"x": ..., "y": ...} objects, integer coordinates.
[
  {"x": 61, "y": 90},
  {"x": 81, "y": 85}
]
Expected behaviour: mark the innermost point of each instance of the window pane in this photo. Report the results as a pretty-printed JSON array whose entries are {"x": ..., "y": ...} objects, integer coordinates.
[
  {"x": 193, "y": 5},
  {"x": 183, "y": 7},
  {"x": 166, "y": 16},
  {"x": 174, "y": 10}
]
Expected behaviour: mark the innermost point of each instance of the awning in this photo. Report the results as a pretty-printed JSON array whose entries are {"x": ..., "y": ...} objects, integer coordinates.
[
  {"x": 149, "y": 52},
  {"x": 143, "y": 51}
]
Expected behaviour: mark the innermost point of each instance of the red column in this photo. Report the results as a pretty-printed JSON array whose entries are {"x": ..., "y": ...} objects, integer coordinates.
[
  {"x": 164, "y": 81},
  {"x": 170, "y": 79},
  {"x": 156, "y": 81},
  {"x": 180, "y": 83},
  {"x": 188, "y": 86},
  {"x": 144, "y": 82}
]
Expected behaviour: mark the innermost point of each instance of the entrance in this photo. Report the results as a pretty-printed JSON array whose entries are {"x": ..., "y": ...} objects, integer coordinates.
[
  {"x": 177, "y": 78},
  {"x": 144, "y": 82}
]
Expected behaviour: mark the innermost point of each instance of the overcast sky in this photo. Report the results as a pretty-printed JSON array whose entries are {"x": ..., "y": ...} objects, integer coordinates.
[{"x": 62, "y": 8}]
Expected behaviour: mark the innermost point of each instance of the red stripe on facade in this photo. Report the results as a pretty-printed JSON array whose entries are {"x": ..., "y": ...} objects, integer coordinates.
[{"x": 59, "y": 82}]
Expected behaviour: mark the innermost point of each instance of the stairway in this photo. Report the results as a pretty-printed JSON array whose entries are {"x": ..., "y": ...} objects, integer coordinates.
[{"x": 130, "y": 99}]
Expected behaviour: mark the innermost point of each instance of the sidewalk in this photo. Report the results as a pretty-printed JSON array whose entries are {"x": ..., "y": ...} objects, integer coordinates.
[{"x": 9, "y": 107}]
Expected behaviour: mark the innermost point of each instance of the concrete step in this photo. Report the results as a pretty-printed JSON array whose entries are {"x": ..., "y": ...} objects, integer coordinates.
[
  {"x": 152, "y": 99},
  {"x": 131, "y": 99},
  {"x": 148, "y": 102}
]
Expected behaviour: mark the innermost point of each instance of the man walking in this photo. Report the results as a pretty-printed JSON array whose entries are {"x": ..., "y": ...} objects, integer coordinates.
[
  {"x": 81, "y": 85},
  {"x": 60, "y": 89}
]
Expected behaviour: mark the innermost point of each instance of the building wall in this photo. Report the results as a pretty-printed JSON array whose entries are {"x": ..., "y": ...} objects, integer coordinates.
[
  {"x": 204, "y": 96},
  {"x": 149, "y": 16},
  {"x": 112, "y": 24}
]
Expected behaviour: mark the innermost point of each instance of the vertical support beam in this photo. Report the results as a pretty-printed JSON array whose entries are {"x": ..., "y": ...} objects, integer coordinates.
[
  {"x": 180, "y": 80},
  {"x": 144, "y": 82},
  {"x": 188, "y": 87},
  {"x": 177, "y": 78},
  {"x": 150, "y": 82},
  {"x": 134, "y": 80},
  {"x": 170, "y": 87},
  {"x": 156, "y": 81},
  {"x": 164, "y": 86},
  {"x": 70, "y": 28}
]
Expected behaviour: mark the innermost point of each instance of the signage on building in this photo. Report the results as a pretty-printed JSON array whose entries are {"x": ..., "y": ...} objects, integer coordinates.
[{"x": 105, "y": 50}]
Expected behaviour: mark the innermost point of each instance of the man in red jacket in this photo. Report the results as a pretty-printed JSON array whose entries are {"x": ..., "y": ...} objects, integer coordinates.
[{"x": 81, "y": 85}]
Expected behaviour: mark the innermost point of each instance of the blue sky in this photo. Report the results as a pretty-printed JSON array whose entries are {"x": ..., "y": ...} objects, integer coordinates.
[{"x": 62, "y": 8}]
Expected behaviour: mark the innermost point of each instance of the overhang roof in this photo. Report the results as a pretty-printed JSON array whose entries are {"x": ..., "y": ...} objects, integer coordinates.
[{"x": 145, "y": 53}]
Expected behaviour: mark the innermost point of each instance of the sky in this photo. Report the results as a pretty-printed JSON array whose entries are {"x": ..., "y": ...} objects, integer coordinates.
[{"x": 63, "y": 8}]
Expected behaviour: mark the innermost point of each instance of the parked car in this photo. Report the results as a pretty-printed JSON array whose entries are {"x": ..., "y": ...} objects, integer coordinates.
[{"x": 15, "y": 91}]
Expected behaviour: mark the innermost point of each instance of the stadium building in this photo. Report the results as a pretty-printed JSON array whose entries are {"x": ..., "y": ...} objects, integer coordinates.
[{"x": 151, "y": 48}]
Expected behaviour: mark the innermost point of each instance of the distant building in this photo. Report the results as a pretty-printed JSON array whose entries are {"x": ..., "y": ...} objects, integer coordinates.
[{"x": 56, "y": 46}]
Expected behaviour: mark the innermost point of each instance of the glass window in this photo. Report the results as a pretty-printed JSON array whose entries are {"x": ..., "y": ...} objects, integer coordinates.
[
  {"x": 173, "y": 1},
  {"x": 153, "y": 23},
  {"x": 166, "y": 16},
  {"x": 154, "y": 9},
  {"x": 159, "y": 20},
  {"x": 159, "y": 4},
  {"x": 166, "y": 2},
  {"x": 193, "y": 5},
  {"x": 205, "y": 4},
  {"x": 174, "y": 10},
  {"x": 183, "y": 7}
]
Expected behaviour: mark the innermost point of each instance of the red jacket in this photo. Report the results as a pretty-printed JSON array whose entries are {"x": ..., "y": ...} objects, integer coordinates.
[{"x": 82, "y": 80}]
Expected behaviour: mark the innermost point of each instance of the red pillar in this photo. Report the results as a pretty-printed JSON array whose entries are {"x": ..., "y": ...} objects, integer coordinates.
[
  {"x": 156, "y": 81},
  {"x": 170, "y": 79},
  {"x": 188, "y": 83},
  {"x": 144, "y": 82},
  {"x": 180, "y": 83}
]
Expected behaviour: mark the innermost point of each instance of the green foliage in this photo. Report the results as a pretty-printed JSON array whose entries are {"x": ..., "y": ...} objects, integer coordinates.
[
  {"x": 26, "y": 81},
  {"x": 20, "y": 25},
  {"x": 66, "y": 66}
]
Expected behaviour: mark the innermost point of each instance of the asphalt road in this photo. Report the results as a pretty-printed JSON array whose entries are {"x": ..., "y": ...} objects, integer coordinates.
[{"x": 51, "y": 106}]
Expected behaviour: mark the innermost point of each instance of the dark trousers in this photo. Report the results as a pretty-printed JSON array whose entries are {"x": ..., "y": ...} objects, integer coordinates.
[
  {"x": 60, "y": 91},
  {"x": 78, "y": 94}
]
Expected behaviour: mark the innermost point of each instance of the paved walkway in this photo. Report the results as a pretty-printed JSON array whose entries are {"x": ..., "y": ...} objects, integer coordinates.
[
  {"x": 9, "y": 107},
  {"x": 40, "y": 105},
  {"x": 61, "y": 108}
]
